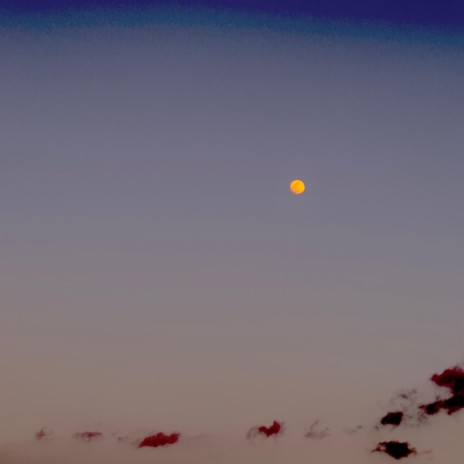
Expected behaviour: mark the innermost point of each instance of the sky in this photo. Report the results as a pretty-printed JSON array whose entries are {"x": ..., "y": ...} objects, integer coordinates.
[{"x": 156, "y": 272}]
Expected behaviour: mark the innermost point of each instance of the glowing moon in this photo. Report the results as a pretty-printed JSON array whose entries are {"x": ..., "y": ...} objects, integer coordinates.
[{"x": 297, "y": 186}]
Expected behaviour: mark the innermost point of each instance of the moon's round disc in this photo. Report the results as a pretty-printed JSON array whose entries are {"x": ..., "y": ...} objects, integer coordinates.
[{"x": 297, "y": 186}]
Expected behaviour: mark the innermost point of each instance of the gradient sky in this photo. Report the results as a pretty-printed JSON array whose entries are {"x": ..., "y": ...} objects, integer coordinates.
[{"x": 156, "y": 272}]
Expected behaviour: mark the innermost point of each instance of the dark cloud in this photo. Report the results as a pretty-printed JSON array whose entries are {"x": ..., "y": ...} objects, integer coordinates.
[
  {"x": 453, "y": 380},
  {"x": 316, "y": 431},
  {"x": 88, "y": 436},
  {"x": 273, "y": 430},
  {"x": 159, "y": 439},
  {"x": 395, "y": 449},
  {"x": 392, "y": 418},
  {"x": 43, "y": 434}
]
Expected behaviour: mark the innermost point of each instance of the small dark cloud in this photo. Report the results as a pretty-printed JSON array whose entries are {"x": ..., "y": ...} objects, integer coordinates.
[
  {"x": 393, "y": 418},
  {"x": 88, "y": 436},
  {"x": 159, "y": 439},
  {"x": 267, "y": 431},
  {"x": 353, "y": 430},
  {"x": 43, "y": 434},
  {"x": 317, "y": 432},
  {"x": 395, "y": 449}
]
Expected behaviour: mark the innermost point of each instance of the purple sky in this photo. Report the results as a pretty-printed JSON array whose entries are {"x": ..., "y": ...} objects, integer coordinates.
[{"x": 156, "y": 272}]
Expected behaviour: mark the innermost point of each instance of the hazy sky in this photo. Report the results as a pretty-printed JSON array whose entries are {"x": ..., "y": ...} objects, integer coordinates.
[{"x": 156, "y": 272}]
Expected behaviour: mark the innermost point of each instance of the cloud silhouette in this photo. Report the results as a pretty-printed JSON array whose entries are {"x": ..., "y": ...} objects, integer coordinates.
[
  {"x": 316, "y": 431},
  {"x": 453, "y": 380},
  {"x": 159, "y": 439},
  {"x": 88, "y": 436},
  {"x": 276, "y": 428},
  {"x": 395, "y": 449}
]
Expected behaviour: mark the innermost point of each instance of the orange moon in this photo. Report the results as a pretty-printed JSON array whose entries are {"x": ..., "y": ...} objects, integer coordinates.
[{"x": 297, "y": 186}]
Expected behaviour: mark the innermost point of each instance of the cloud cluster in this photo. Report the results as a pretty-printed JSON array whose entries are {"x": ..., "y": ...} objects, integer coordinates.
[
  {"x": 451, "y": 379},
  {"x": 97, "y": 446}
]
